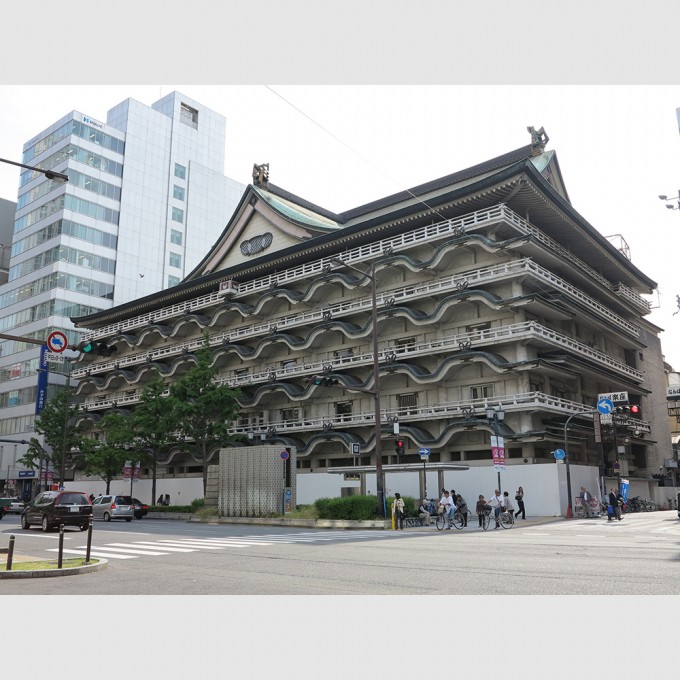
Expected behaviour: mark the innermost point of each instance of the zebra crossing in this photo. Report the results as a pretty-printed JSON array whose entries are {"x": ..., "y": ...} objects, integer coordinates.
[{"x": 167, "y": 546}]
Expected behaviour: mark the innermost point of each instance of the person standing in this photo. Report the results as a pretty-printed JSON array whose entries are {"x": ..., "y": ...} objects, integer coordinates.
[
  {"x": 462, "y": 507},
  {"x": 481, "y": 509},
  {"x": 509, "y": 506},
  {"x": 585, "y": 501},
  {"x": 496, "y": 503},
  {"x": 519, "y": 497},
  {"x": 614, "y": 502},
  {"x": 398, "y": 511}
]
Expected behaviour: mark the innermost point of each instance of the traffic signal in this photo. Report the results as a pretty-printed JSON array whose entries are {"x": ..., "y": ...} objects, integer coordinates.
[
  {"x": 623, "y": 408},
  {"x": 399, "y": 447},
  {"x": 92, "y": 347},
  {"x": 320, "y": 380},
  {"x": 635, "y": 411},
  {"x": 86, "y": 346}
]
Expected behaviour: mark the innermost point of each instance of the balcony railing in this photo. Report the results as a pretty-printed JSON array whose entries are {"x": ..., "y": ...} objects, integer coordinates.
[{"x": 445, "y": 229}]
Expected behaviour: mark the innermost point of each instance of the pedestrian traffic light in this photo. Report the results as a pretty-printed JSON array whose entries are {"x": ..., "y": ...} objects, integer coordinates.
[{"x": 399, "y": 447}]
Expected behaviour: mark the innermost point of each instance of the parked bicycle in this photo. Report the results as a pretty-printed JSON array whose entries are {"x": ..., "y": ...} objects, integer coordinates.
[{"x": 505, "y": 519}]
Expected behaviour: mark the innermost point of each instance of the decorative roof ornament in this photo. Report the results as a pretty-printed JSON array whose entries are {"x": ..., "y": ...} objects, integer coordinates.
[
  {"x": 261, "y": 174},
  {"x": 539, "y": 139}
]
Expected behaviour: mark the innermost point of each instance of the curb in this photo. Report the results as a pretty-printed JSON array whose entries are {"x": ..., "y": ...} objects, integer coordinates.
[
  {"x": 305, "y": 523},
  {"x": 46, "y": 573}
]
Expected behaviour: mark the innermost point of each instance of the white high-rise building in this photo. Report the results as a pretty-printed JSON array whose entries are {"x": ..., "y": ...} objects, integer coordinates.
[{"x": 146, "y": 199}]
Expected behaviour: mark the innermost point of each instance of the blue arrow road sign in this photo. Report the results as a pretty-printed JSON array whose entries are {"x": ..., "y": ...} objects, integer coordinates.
[
  {"x": 605, "y": 406},
  {"x": 559, "y": 454},
  {"x": 424, "y": 452}
]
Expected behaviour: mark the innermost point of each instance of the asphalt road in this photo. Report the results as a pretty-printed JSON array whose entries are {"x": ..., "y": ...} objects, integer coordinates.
[{"x": 166, "y": 557}]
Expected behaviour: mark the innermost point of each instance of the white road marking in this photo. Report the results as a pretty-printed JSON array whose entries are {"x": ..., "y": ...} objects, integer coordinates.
[
  {"x": 82, "y": 553},
  {"x": 154, "y": 544}
]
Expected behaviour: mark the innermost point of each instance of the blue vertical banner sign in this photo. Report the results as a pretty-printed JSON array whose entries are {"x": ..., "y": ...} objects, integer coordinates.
[
  {"x": 41, "y": 392},
  {"x": 623, "y": 489}
]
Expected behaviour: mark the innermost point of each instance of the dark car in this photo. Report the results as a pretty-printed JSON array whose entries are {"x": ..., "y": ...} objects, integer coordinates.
[
  {"x": 141, "y": 509},
  {"x": 49, "y": 509}
]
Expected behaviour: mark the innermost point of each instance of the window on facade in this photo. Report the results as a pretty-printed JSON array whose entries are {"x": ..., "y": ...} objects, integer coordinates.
[
  {"x": 175, "y": 260},
  {"x": 188, "y": 115},
  {"x": 343, "y": 353},
  {"x": 478, "y": 327},
  {"x": 178, "y": 192},
  {"x": 290, "y": 414},
  {"x": 173, "y": 281},
  {"x": 288, "y": 365},
  {"x": 408, "y": 403},
  {"x": 180, "y": 171},
  {"x": 405, "y": 343},
  {"x": 176, "y": 237},
  {"x": 343, "y": 409},
  {"x": 178, "y": 215},
  {"x": 481, "y": 391}
]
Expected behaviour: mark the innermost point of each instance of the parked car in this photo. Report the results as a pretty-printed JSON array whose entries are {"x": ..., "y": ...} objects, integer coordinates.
[
  {"x": 4, "y": 505},
  {"x": 141, "y": 509},
  {"x": 16, "y": 506},
  {"x": 113, "y": 507},
  {"x": 49, "y": 509}
]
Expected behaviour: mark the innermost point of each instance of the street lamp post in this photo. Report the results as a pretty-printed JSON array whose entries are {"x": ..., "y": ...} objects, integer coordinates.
[
  {"x": 50, "y": 174},
  {"x": 495, "y": 416},
  {"x": 380, "y": 481}
]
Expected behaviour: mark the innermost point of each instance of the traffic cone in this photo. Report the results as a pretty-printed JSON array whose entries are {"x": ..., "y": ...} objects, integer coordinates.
[{"x": 569, "y": 515}]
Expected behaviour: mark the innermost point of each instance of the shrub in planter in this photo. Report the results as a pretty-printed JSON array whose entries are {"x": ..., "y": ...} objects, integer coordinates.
[{"x": 347, "y": 507}]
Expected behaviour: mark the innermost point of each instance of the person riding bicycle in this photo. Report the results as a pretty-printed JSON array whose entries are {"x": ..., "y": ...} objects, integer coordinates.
[
  {"x": 496, "y": 502},
  {"x": 462, "y": 508},
  {"x": 449, "y": 507}
]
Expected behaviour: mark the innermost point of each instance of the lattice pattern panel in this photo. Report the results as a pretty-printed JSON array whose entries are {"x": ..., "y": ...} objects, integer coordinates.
[{"x": 251, "y": 481}]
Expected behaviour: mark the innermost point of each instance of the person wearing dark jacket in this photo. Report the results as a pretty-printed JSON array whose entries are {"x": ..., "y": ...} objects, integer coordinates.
[{"x": 614, "y": 502}]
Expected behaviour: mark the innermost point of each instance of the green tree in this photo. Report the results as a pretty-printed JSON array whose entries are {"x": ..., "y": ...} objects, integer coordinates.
[
  {"x": 153, "y": 423},
  {"x": 205, "y": 409},
  {"x": 106, "y": 458},
  {"x": 63, "y": 437}
]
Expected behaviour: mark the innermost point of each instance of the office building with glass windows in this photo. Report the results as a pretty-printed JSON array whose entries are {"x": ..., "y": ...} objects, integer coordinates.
[{"x": 146, "y": 198}]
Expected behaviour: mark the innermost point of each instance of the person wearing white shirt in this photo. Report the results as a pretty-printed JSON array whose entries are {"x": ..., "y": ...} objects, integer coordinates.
[
  {"x": 449, "y": 508},
  {"x": 496, "y": 502}
]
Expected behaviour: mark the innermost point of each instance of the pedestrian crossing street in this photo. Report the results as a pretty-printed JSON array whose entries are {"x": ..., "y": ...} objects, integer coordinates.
[{"x": 156, "y": 548}]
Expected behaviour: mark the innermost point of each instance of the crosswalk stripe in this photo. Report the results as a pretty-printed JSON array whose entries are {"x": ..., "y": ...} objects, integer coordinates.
[
  {"x": 93, "y": 553},
  {"x": 165, "y": 547},
  {"x": 109, "y": 547},
  {"x": 192, "y": 544}
]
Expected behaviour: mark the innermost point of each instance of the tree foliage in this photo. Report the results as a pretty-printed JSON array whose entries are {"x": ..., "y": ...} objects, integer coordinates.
[
  {"x": 106, "y": 458},
  {"x": 153, "y": 423},
  {"x": 57, "y": 423},
  {"x": 205, "y": 409}
]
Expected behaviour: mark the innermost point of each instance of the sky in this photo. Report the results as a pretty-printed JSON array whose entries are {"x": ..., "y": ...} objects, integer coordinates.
[
  {"x": 340, "y": 146},
  {"x": 374, "y": 97}
]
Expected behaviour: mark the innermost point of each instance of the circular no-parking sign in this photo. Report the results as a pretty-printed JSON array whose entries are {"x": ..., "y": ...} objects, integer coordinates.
[
  {"x": 57, "y": 342},
  {"x": 284, "y": 455}
]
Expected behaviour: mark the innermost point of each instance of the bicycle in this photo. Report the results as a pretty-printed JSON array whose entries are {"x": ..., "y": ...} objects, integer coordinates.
[
  {"x": 458, "y": 521},
  {"x": 505, "y": 519}
]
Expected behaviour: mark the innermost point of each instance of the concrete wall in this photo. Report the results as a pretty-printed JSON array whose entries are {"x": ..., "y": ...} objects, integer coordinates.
[{"x": 545, "y": 486}]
